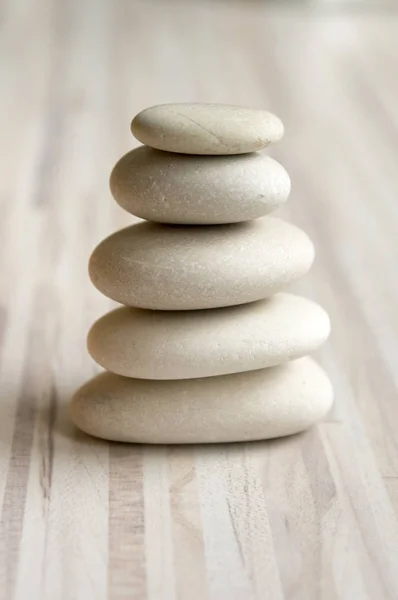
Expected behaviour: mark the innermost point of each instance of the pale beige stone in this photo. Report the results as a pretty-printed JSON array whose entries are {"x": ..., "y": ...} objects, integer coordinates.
[
  {"x": 166, "y": 267},
  {"x": 176, "y": 188},
  {"x": 254, "y": 405},
  {"x": 179, "y": 345},
  {"x": 206, "y": 128}
]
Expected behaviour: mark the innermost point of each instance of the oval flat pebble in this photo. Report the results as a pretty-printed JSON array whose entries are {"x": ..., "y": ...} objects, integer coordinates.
[
  {"x": 181, "y": 345},
  {"x": 166, "y": 267},
  {"x": 247, "y": 406},
  {"x": 206, "y": 128},
  {"x": 175, "y": 188}
]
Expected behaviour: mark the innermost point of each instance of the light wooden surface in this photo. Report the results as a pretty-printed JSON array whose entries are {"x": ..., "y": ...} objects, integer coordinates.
[{"x": 306, "y": 518}]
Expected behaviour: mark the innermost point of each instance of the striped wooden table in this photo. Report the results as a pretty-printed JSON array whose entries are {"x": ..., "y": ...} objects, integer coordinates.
[{"x": 306, "y": 518}]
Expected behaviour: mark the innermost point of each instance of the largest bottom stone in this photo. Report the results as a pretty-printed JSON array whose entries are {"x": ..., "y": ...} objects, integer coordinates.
[{"x": 255, "y": 405}]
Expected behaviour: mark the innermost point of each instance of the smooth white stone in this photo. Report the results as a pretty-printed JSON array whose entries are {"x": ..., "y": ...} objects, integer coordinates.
[
  {"x": 197, "y": 190},
  {"x": 244, "y": 406},
  {"x": 206, "y": 128},
  {"x": 187, "y": 344},
  {"x": 165, "y": 267}
]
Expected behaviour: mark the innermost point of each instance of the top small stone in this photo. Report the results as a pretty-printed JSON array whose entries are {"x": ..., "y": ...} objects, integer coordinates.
[{"x": 206, "y": 128}]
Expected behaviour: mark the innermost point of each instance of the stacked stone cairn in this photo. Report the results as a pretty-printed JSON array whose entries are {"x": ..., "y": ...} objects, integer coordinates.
[{"x": 207, "y": 347}]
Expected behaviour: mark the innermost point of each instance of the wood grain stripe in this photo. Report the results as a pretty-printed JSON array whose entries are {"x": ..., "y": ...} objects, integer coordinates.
[
  {"x": 187, "y": 527},
  {"x": 159, "y": 548},
  {"x": 12, "y": 514},
  {"x": 127, "y": 579},
  {"x": 250, "y": 519},
  {"x": 224, "y": 557}
]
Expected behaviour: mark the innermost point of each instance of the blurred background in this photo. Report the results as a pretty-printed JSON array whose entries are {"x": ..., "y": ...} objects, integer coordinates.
[{"x": 73, "y": 73}]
